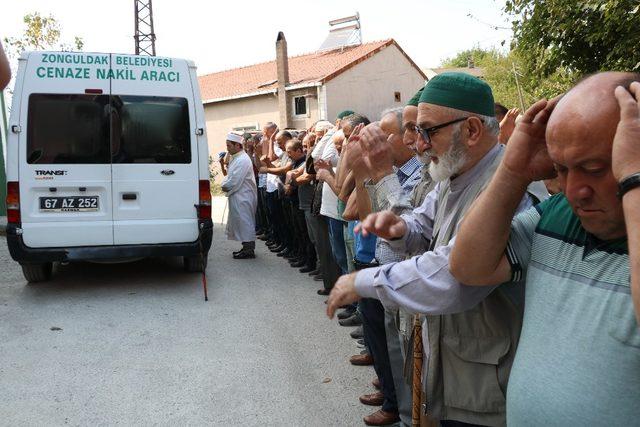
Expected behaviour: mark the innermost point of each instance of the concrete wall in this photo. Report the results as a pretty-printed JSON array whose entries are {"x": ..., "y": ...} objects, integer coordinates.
[
  {"x": 222, "y": 117},
  {"x": 368, "y": 88},
  {"x": 312, "y": 108}
]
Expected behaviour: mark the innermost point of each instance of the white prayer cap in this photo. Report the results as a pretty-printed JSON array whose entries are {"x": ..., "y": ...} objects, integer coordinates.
[{"x": 234, "y": 137}]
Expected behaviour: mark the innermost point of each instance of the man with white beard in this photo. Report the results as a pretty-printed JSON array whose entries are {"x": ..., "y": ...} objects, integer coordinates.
[{"x": 469, "y": 337}]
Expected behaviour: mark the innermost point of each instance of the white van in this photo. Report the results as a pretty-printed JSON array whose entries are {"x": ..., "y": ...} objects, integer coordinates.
[{"x": 107, "y": 159}]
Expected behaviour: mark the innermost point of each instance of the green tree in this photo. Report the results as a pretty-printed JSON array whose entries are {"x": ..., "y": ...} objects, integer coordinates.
[
  {"x": 40, "y": 33},
  {"x": 500, "y": 72},
  {"x": 578, "y": 36},
  {"x": 461, "y": 59},
  {"x": 500, "y": 69}
]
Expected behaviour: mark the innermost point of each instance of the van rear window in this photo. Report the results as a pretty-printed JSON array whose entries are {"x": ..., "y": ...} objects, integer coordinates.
[
  {"x": 68, "y": 129},
  {"x": 152, "y": 129}
]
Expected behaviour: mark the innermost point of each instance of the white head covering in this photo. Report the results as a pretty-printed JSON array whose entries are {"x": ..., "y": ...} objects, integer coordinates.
[{"x": 234, "y": 137}]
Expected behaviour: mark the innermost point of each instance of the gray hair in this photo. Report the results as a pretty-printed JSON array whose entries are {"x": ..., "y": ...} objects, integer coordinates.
[
  {"x": 394, "y": 110},
  {"x": 323, "y": 125},
  {"x": 490, "y": 124},
  {"x": 355, "y": 119}
]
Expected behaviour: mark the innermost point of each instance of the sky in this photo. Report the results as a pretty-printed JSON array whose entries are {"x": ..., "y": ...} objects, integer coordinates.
[{"x": 220, "y": 35}]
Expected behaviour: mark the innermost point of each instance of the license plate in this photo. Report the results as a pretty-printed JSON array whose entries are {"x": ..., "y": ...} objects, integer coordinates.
[{"x": 69, "y": 204}]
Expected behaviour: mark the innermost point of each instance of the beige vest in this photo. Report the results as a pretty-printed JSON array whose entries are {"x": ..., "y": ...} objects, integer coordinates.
[{"x": 470, "y": 353}]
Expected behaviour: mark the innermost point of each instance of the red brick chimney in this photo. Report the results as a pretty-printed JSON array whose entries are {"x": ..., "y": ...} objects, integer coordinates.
[{"x": 282, "y": 64}]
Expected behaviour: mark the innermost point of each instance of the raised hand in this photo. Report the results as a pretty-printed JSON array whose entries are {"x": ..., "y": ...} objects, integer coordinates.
[
  {"x": 377, "y": 150},
  {"x": 322, "y": 164},
  {"x": 355, "y": 134},
  {"x": 508, "y": 124},
  {"x": 385, "y": 224},
  {"x": 626, "y": 144},
  {"x": 526, "y": 158},
  {"x": 354, "y": 161}
]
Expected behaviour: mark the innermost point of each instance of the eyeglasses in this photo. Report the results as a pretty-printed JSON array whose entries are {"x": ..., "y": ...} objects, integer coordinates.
[{"x": 425, "y": 132}]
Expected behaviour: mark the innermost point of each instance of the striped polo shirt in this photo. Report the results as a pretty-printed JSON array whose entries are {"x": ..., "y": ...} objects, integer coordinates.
[{"x": 578, "y": 360}]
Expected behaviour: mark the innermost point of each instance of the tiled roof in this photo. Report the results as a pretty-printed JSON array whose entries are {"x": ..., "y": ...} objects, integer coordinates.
[{"x": 309, "y": 68}]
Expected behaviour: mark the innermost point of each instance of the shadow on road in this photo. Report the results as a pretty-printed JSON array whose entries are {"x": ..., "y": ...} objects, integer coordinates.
[{"x": 147, "y": 276}]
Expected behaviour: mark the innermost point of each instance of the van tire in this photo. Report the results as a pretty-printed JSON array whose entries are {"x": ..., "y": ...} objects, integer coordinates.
[
  {"x": 193, "y": 264},
  {"x": 37, "y": 272}
]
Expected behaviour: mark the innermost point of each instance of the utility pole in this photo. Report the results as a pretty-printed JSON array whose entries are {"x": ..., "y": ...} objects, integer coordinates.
[
  {"x": 144, "y": 36},
  {"x": 515, "y": 74}
]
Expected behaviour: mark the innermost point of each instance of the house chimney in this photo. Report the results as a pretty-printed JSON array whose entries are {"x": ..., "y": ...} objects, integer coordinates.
[{"x": 282, "y": 64}]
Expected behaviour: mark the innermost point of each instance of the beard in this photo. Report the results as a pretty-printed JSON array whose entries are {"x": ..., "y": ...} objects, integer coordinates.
[{"x": 450, "y": 163}]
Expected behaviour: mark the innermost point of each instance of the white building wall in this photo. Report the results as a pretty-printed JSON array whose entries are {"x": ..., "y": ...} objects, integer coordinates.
[{"x": 368, "y": 88}]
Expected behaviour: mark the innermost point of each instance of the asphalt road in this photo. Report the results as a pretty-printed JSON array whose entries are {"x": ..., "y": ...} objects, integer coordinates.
[{"x": 135, "y": 344}]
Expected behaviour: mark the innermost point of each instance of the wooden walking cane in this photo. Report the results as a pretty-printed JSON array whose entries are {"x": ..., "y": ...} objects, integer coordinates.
[{"x": 416, "y": 384}]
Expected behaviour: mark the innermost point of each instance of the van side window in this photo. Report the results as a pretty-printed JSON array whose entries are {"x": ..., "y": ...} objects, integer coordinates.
[
  {"x": 152, "y": 129},
  {"x": 71, "y": 129}
]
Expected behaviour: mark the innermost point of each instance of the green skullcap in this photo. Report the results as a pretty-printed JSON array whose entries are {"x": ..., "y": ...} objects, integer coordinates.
[
  {"x": 416, "y": 98},
  {"x": 344, "y": 114},
  {"x": 460, "y": 91}
]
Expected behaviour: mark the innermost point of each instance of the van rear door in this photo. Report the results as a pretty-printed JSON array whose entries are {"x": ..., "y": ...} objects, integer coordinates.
[
  {"x": 64, "y": 155},
  {"x": 155, "y": 160}
]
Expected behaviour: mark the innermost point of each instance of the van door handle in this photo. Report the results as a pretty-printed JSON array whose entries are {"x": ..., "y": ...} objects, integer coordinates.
[{"x": 129, "y": 196}]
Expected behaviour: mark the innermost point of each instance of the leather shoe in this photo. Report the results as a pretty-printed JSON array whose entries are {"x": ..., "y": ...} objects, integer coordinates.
[
  {"x": 277, "y": 249},
  {"x": 315, "y": 272},
  {"x": 244, "y": 255},
  {"x": 373, "y": 399},
  {"x": 354, "y": 320},
  {"x": 357, "y": 333},
  {"x": 297, "y": 264},
  {"x": 376, "y": 383},
  {"x": 381, "y": 418},
  {"x": 318, "y": 278},
  {"x": 348, "y": 312},
  {"x": 284, "y": 252},
  {"x": 324, "y": 291},
  {"x": 361, "y": 360},
  {"x": 307, "y": 268}
]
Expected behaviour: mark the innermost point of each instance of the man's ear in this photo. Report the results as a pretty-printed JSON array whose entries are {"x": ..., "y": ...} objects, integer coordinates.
[{"x": 473, "y": 129}]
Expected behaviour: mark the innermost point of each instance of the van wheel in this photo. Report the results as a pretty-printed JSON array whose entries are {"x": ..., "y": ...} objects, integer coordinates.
[
  {"x": 193, "y": 264},
  {"x": 37, "y": 272}
]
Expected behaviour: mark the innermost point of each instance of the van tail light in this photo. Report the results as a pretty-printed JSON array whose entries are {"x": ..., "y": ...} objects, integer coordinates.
[
  {"x": 204, "y": 204},
  {"x": 13, "y": 203}
]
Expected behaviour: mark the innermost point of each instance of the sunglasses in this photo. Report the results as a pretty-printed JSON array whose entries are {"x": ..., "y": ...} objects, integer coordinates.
[{"x": 426, "y": 132}]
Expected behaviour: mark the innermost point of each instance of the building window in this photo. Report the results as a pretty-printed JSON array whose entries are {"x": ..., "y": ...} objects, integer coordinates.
[
  {"x": 397, "y": 96},
  {"x": 300, "y": 106}
]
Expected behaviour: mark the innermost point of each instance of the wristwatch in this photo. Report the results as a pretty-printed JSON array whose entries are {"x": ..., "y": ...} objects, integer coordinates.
[{"x": 630, "y": 182}]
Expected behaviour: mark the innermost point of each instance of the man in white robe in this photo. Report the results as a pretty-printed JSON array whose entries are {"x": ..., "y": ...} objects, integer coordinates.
[{"x": 241, "y": 189}]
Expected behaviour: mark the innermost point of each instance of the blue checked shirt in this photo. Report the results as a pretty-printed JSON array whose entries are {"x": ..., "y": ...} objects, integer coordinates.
[{"x": 392, "y": 190}]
